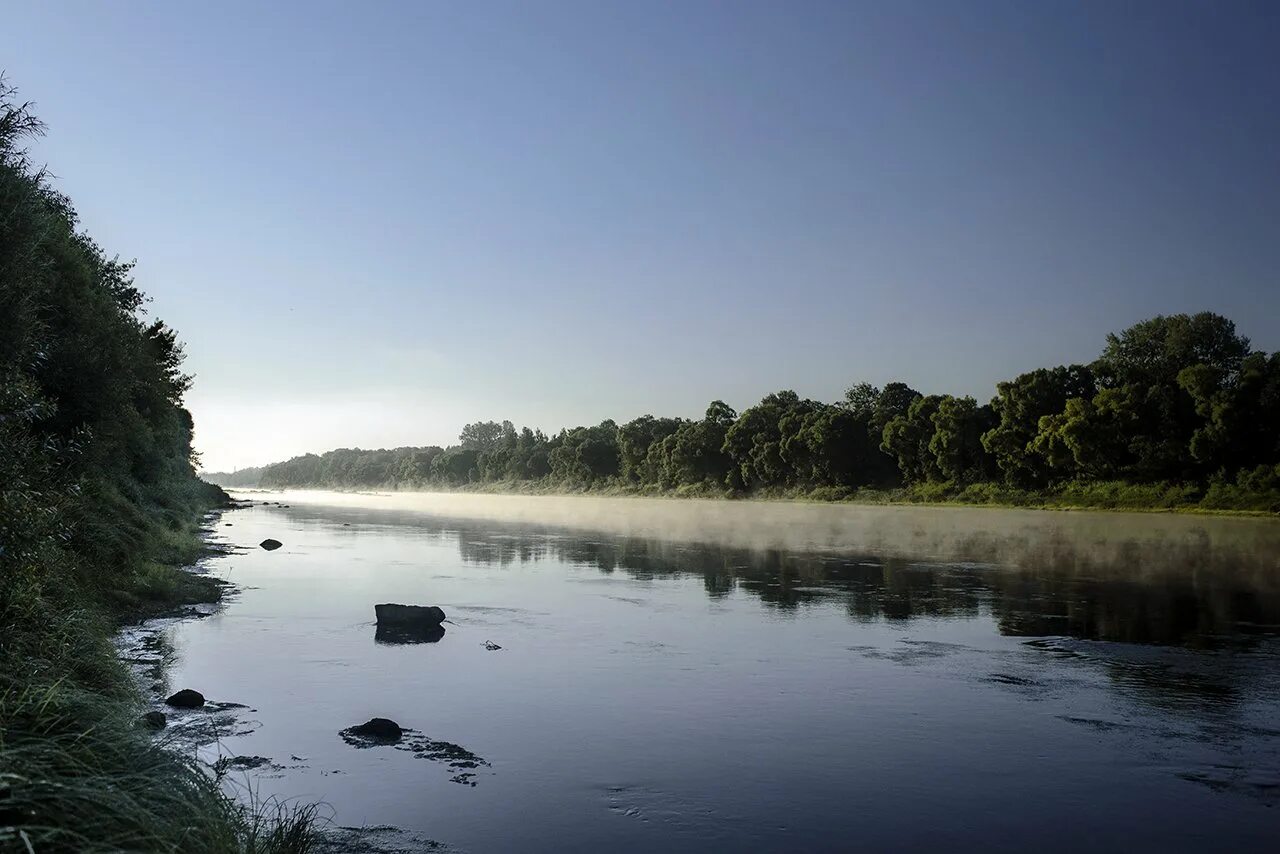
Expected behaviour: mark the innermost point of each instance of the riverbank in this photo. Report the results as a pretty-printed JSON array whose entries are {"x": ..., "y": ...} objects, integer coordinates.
[
  {"x": 1230, "y": 500},
  {"x": 79, "y": 771},
  {"x": 1111, "y": 495}
]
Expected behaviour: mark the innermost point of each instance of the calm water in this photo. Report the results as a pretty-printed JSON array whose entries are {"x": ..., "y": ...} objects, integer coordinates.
[{"x": 683, "y": 676}]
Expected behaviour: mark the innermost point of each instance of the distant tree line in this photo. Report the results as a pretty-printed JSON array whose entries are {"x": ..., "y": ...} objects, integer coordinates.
[
  {"x": 1180, "y": 399},
  {"x": 245, "y": 477}
]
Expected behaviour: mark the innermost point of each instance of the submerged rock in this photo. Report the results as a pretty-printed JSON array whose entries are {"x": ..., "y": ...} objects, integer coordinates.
[
  {"x": 154, "y": 720},
  {"x": 380, "y": 730},
  {"x": 186, "y": 699},
  {"x": 408, "y": 615},
  {"x": 242, "y": 763},
  {"x": 270, "y": 544}
]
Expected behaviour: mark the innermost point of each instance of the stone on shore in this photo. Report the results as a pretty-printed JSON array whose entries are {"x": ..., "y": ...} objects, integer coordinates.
[{"x": 186, "y": 699}]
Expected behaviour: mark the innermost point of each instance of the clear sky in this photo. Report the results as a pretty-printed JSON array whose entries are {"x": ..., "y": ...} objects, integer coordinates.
[{"x": 373, "y": 222}]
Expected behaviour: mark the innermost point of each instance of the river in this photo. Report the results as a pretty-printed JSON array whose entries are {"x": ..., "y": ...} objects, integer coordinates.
[{"x": 742, "y": 676}]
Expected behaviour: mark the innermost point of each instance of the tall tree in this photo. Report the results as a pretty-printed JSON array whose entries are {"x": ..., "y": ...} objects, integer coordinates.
[
  {"x": 1019, "y": 405},
  {"x": 907, "y": 436}
]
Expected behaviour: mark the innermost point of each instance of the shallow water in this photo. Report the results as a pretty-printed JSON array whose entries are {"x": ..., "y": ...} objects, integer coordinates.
[{"x": 685, "y": 676}]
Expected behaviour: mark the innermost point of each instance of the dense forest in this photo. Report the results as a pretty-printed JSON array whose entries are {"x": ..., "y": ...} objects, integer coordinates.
[
  {"x": 98, "y": 500},
  {"x": 1177, "y": 410}
]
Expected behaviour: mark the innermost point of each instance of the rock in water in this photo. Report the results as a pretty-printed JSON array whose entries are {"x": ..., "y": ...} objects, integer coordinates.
[
  {"x": 376, "y": 729},
  {"x": 186, "y": 699},
  {"x": 408, "y": 615},
  {"x": 491, "y": 646},
  {"x": 270, "y": 544},
  {"x": 154, "y": 720}
]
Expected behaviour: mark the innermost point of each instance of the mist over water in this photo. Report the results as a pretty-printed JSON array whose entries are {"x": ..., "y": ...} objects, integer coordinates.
[
  {"x": 1132, "y": 544},
  {"x": 696, "y": 675}
]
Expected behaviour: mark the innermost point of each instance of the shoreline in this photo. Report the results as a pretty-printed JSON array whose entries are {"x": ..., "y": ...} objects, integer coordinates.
[
  {"x": 202, "y": 595},
  {"x": 73, "y": 725},
  {"x": 860, "y": 498}
]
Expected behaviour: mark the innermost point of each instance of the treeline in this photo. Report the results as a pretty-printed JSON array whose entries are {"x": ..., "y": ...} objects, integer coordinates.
[
  {"x": 1176, "y": 410},
  {"x": 98, "y": 497},
  {"x": 245, "y": 477}
]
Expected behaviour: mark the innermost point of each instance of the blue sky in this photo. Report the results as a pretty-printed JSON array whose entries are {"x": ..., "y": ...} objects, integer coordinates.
[{"x": 372, "y": 223}]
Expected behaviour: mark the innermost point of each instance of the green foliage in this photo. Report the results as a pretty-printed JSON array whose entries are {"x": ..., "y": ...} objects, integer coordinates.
[
  {"x": 958, "y": 426},
  {"x": 907, "y": 437},
  {"x": 97, "y": 494},
  {"x": 1256, "y": 489},
  {"x": 1157, "y": 416},
  {"x": 1020, "y": 404},
  {"x": 1174, "y": 400},
  {"x": 585, "y": 455},
  {"x": 1238, "y": 413},
  {"x": 765, "y": 445},
  {"x": 1124, "y": 495},
  {"x": 635, "y": 438}
]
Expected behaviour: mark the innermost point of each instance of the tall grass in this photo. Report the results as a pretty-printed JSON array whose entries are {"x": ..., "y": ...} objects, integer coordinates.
[{"x": 78, "y": 773}]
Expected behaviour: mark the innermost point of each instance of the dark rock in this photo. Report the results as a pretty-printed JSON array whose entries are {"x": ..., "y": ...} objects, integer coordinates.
[
  {"x": 396, "y": 634},
  {"x": 408, "y": 615},
  {"x": 226, "y": 524},
  {"x": 154, "y": 720},
  {"x": 491, "y": 646},
  {"x": 375, "y": 729},
  {"x": 186, "y": 699},
  {"x": 270, "y": 544}
]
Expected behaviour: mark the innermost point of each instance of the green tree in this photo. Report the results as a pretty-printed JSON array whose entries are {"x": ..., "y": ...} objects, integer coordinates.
[
  {"x": 1091, "y": 438},
  {"x": 861, "y": 399},
  {"x": 1144, "y": 362},
  {"x": 634, "y": 440},
  {"x": 483, "y": 435},
  {"x": 1019, "y": 405},
  {"x": 695, "y": 452},
  {"x": 1240, "y": 414},
  {"x": 906, "y": 438},
  {"x": 894, "y": 400},
  {"x": 959, "y": 423},
  {"x": 585, "y": 455},
  {"x": 754, "y": 444}
]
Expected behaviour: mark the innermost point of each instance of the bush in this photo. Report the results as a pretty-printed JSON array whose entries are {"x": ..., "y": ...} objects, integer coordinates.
[{"x": 1255, "y": 489}]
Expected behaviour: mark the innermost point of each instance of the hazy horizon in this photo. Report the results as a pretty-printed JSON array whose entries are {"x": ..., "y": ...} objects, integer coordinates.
[{"x": 373, "y": 225}]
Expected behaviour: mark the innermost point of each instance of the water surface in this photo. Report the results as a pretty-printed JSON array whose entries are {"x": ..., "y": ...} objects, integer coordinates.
[{"x": 684, "y": 676}]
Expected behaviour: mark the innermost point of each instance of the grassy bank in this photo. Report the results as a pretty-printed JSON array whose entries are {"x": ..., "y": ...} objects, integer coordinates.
[{"x": 77, "y": 770}]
